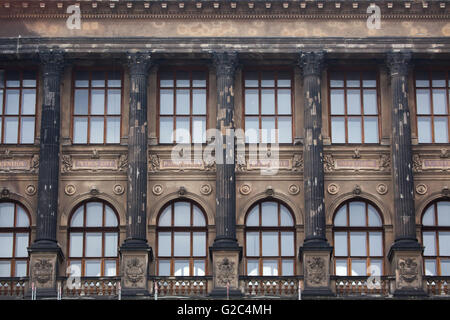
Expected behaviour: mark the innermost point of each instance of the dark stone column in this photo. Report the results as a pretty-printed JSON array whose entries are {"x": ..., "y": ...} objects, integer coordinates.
[
  {"x": 406, "y": 252},
  {"x": 45, "y": 252},
  {"x": 225, "y": 250},
  {"x": 135, "y": 252},
  {"x": 316, "y": 251}
]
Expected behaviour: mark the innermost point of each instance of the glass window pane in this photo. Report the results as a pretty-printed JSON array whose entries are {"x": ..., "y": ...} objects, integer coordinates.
[
  {"x": 199, "y": 244},
  {"x": 374, "y": 217},
  {"x": 29, "y": 79},
  {"x": 337, "y": 102},
  {"x": 93, "y": 244},
  {"x": 164, "y": 244},
  {"x": 284, "y": 130},
  {"x": 79, "y": 130},
  {"x": 98, "y": 79},
  {"x": 252, "y": 268},
  {"x": 354, "y": 130},
  {"x": 287, "y": 244},
  {"x": 77, "y": 218},
  {"x": 438, "y": 79},
  {"x": 284, "y": 101},
  {"x": 376, "y": 244},
  {"x": 340, "y": 219},
  {"x": 269, "y": 214},
  {"x": 27, "y": 130},
  {"x": 181, "y": 268},
  {"x": 111, "y": 244},
  {"x": 198, "y": 129},
  {"x": 284, "y": 79},
  {"x": 182, "y": 214},
  {"x": 28, "y": 101},
  {"x": 369, "y": 79},
  {"x": 353, "y": 102},
  {"x": 110, "y": 217},
  {"x": 429, "y": 242},
  {"x": 444, "y": 243},
  {"x": 6, "y": 215},
  {"x": 428, "y": 217},
  {"x": 110, "y": 268},
  {"x": 376, "y": 267},
  {"x": 439, "y": 101},
  {"x": 181, "y": 246},
  {"x": 252, "y": 244},
  {"x": 359, "y": 267},
  {"x": 251, "y": 102},
  {"x": 5, "y": 269},
  {"x": 12, "y": 78},
  {"x": 97, "y": 102},
  {"x": 443, "y": 211},
  {"x": 424, "y": 129},
  {"x": 286, "y": 219},
  {"x": 74, "y": 268},
  {"x": 165, "y": 130},
  {"x": 340, "y": 244},
  {"x": 337, "y": 130},
  {"x": 166, "y": 79},
  {"x": 94, "y": 214},
  {"x": 422, "y": 79},
  {"x": 76, "y": 244},
  {"x": 22, "y": 219},
  {"x": 21, "y": 269},
  {"x": 93, "y": 268},
  {"x": 370, "y": 130},
  {"x": 199, "y": 101},
  {"x": 336, "y": 79},
  {"x": 166, "y": 102},
  {"x": 287, "y": 267},
  {"x": 430, "y": 267},
  {"x": 113, "y": 130},
  {"x": 358, "y": 244},
  {"x": 11, "y": 129},
  {"x": 357, "y": 212},
  {"x": 199, "y": 79},
  {"x": 268, "y": 133},
  {"x": 114, "y": 79},
  {"x": 270, "y": 244},
  {"x": 6, "y": 245},
  {"x": 97, "y": 130},
  {"x": 166, "y": 217},
  {"x": 182, "y": 79},
  {"x": 251, "y": 79},
  {"x": 114, "y": 101},
  {"x": 164, "y": 268},
  {"x": 182, "y": 102},
  {"x": 21, "y": 245},
  {"x": 12, "y": 102},
  {"x": 82, "y": 79},
  {"x": 253, "y": 217},
  {"x": 182, "y": 134},
  {"x": 370, "y": 102},
  {"x": 353, "y": 79},
  {"x": 445, "y": 267},
  {"x": 440, "y": 130},
  {"x": 268, "y": 101},
  {"x": 251, "y": 130},
  {"x": 341, "y": 267},
  {"x": 270, "y": 268},
  {"x": 423, "y": 101},
  {"x": 199, "y": 268},
  {"x": 81, "y": 102},
  {"x": 198, "y": 217},
  {"x": 267, "y": 79}
]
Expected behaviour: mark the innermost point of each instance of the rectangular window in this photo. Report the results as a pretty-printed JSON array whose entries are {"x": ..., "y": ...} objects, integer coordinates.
[
  {"x": 268, "y": 106},
  {"x": 97, "y": 107},
  {"x": 354, "y": 115},
  {"x": 183, "y": 105},
  {"x": 18, "y": 97},
  {"x": 432, "y": 106}
]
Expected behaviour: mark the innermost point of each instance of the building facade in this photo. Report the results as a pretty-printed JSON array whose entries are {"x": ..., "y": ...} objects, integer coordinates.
[{"x": 212, "y": 148}]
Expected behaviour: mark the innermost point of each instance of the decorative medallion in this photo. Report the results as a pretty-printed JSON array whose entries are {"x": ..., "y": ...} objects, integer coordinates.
[
  {"x": 5, "y": 193},
  {"x": 206, "y": 189},
  {"x": 42, "y": 270},
  {"x": 30, "y": 190},
  {"x": 382, "y": 188},
  {"x": 408, "y": 270},
  {"x": 294, "y": 189},
  {"x": 70, "y": 189},
  {"x": 118, "y": 189},
  {"x": 134, "y": 271},
  {"x": 421, "y": 188},
  {"x": 245, "y": 189},
  {"x": 225, "y": 272},
  {"x": 333, "y": 188},
  {"x": 315, "y": 268},
  {"x": 157, "y": 189}
]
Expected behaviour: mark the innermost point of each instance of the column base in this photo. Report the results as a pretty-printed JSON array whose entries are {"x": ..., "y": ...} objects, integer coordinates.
[{"x": 226, "y": 271}]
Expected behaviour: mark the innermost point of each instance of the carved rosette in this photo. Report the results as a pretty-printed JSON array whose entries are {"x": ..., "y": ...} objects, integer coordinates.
[
  {"x": 294, "y": 189},
  {"x": 118, "y": 189},
  {"x": 30, "y": 190},
  {"x": 70, "y": 189},
  {"x": 333, "y": 188},
  {"x": 245, "y": 189},
  {"x": 157, "y": 189},
  {"x": 382, "y": 188},
  {"x": 421, "y": 188},
  {"x": 206, "y": 189}
]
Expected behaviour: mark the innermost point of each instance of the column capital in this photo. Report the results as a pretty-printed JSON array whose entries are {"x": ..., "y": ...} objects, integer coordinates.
[
  {"x": 398, "y": 63},
  {"x": 225, "y": 62},
  {"x": 311, "y": 62},
  {"x": 139, "y": 62},
  {"x": 52, "y": 61}
]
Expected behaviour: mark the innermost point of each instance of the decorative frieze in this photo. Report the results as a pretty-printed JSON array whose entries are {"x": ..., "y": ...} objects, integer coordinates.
[
  {"x": 19, "y": 164},
  {"x": 71, "y": 163},
  {"x": 421, "y": 164},
  {"x": 356, "y": 164}
]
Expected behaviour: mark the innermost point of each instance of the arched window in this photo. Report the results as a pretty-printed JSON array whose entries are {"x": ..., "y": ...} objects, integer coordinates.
[
  {"x": 270, "y": 240},
  {"x": 358, "y": 240},
  {"x": 93, "y": 240},
  {"x": 436, "y": 238},
  {"x": 14, "y": 240},
  {"x": 182, "y": 240}
]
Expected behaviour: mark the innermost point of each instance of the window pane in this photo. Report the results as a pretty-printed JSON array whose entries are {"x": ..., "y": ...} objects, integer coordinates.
[
  {"x": 422, "y": 79},
  {"x": 199, "y": 244},
  {"x": 98, "y": 79},
  {"x": 111, "y": 244},
  {"x": 253, "y": 217},
  {"x": 251, "y": 102},
  {"x": 164, "y": 244},
  {"x": 370, "y": 130},
  {"x": 79, "y": 130},
  {"x": 181, "y": 268},
  {"x": 110, "y": 217},
  {"x": 93, "y": 244},
  {"x": 270, "y": 244},
  {"x": 113, "y": 130},
  {"x": 81, "y": 102},
  {"x": 21, "y": 269},
  {"x": 340, "y": 219},
  {"x": 76, "y": 244},
  {"x": 284, "y": 130},
  {"x": 287, "y": 244},
  {"x": 287, "y": 268},
  {"x": 114, "y": 101},
  {"x": 341, "y": 267},
  {"x": 166, "y": 217},
  {"x": 369, "y": 79},
  {"x": 6, "y": 245},
  {"x": 182, "y": 79},
  {"x": 428, "y": 217},
  {"x": 430, "y": 267},
  {"x": 181, "y": 246},
  {"x": 251, "y": 130},
  {"x": 358, "y": 244},
  {"x": 268, "y": 101},
  {"x": 374, "y": 217},
  {"x": 359, "y": 267},
  {"x": 165, "y": 130},
  {"x": 353, "y": 102},
  {"x": 438, "y": 79},
  {"x": 182, "y": 214},
  {"x": 284, "y": 79},
  {"x": 199, "y": 218},
  {"x": 11, "y": 129},
  {"x": 370, "y": 102},
  {"x": 27, "y": 130},
  {"x": 269, "y": 212},
  {"x": 429, "y": 242},
  {"x": 376, "y": 267},
  {"x": 252, "y": 243},
  {"x": 12, "y": 102},
  {"x": 267, "y": 79},
  {"x": 445, "y": 267},
  {"x": 337, "y": 102},
  {"x": 376, "y": 244},
  {"x": 443, "y": 211},
  {"x": 284, "y": 101},
  {"x": 97, "y": 130},
  {"x": 110, "y": 268},
  {"x": 357, "y": 212},
  {"x": 337, "y": 130},
  {"x": 199, "y": 268},
  {"x": 340, "y": 244},
  {"x": 74, "y": 268},
  {"x": 353, "y": 79},
  {"x": 29, "y": 79},
  {"x": 77, "y": 218},
  {"x": 12, "y": 78},
  {"x": 198, "y": 130},
  {"x": 423, "y": 101},
  {"x": 354, "y": 130},
  {"x": 440, "y": 130},
  {"x": 82, "y": 79},
  {"x": 182, "y": 134},
  {"x": 199, "y": 101},
  {"x": 424, "y": 129},
  {"x": 270, "y": 268},
  {"x": 444, "y": 243},
  {"x": 182, "y": 102},
  {"x": 252, "y": 268},
  {"x": 94, "y": 214},
  {"x": 21, "y": 245},
  {"x": 439, "y": 101},
  {"x": 251, "y": 79},
  {"x": 166, "y": 102},
  {"x": 93, "y": 268},
  {"x": 5, "y": 269},
  {"x": 285, "y": 217},
  {"x": 114, "y": 79},
  {"x": 28, "y": 101},
  {"x": 166, "y": 79},
  {"x": 6, "y": 214},
  {"x": 98, "y": 102},
  {"x": 337, "y": 79},
  {"x": 199, "y": 79},
  {"x": 164, "y": 268},
  {"x": 22, "y": 219},
  {"x": 268, "y": 133}
]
